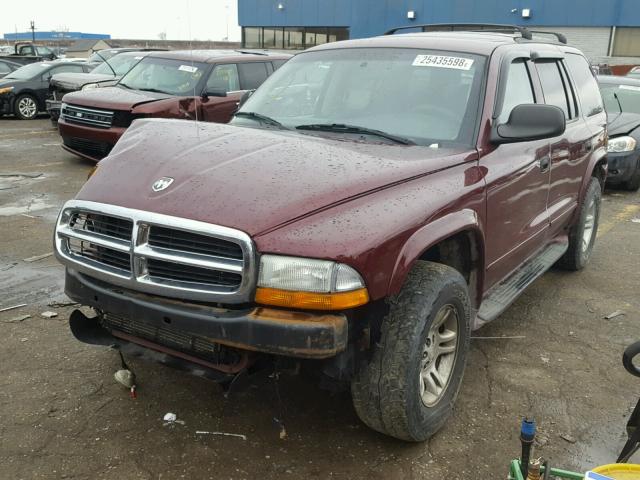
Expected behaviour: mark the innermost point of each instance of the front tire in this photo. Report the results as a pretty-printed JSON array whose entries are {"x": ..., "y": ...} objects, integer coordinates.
[
  {"x": 582, "y": 235},
  {"x": 408, "y": 388},
  {"x": 25, "y": 107}
]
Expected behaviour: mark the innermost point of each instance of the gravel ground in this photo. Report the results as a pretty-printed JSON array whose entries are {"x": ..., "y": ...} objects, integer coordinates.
[{"x": 63, "y": 416}]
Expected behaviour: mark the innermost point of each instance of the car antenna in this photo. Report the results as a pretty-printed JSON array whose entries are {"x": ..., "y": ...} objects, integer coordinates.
[
  {"x": 195, "y": 102},
  {"x": 105, "y": 61}
]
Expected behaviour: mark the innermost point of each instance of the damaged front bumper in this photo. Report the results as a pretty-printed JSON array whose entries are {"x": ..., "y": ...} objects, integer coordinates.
[
  {"x": 266, "y": 330},
  {"x": 622, "y": 166}
]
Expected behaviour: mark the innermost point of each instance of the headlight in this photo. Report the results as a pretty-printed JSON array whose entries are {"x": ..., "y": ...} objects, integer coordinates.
[
  {"x": 621, "y": 144},
  {"x": 90, "y": 86},
  {"x": 310, "y": 284},
  {"x": 5, "y": 90}
]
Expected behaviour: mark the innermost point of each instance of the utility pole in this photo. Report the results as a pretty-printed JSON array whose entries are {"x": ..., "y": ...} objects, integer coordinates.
[{"x": 33, "y": 31}]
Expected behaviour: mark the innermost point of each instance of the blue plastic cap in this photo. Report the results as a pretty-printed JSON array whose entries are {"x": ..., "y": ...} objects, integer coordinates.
[{"x": 528, "y": 429}]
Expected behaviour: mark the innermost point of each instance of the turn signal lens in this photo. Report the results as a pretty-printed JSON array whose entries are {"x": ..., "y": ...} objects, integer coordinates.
[{"x": 311, "y": 300}]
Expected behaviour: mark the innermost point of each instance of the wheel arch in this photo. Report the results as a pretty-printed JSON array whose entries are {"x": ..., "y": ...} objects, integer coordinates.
[{"x": 456, "y": 240}]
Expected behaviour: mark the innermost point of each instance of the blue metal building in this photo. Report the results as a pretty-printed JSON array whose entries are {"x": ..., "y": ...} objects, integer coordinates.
[
  {"x": 600, "y": 27},
  {"x": 53, "y": 36}
]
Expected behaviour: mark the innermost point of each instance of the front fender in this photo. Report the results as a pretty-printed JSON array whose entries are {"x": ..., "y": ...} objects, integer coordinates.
[{"x": 431, "y": 234}]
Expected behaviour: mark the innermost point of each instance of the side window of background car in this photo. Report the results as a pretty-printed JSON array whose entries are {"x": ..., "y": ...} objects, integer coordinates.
[
  {"x": 586, "y": 84},
  {"x": 517, "y": 90},
  {"x": 224, "y": 78},
  {"x": 557, "y": 91},
  {"x": 62, "y": 69},
  {"x": 4, "y": 68},
  {"x": 252, "y": 74},
  {"x": 277, "y": 64}
]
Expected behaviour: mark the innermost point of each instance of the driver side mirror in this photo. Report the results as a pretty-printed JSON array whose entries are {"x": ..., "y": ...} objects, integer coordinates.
[
  {"x": 213, "y": 92},
  {"x": 245, "y": 96},
  {"x": 530, "y": 122}
]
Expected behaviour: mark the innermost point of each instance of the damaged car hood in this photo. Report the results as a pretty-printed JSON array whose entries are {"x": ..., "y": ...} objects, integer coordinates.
[
  {"x": 114, "y": 98},
  {"x": 622, "y": 123},
  {"x": 246, "y": 178},
  {"x": 75, "y": 81}
]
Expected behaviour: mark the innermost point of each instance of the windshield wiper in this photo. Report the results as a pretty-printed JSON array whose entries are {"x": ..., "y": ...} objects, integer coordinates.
[
  {"x": 124, "y": 85},
  {"x": 342, "y": 128},
  {"x": 154, "y": 90},
  {"x": 260, "y": 118}
]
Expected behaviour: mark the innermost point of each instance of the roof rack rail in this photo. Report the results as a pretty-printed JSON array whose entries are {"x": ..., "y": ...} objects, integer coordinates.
[
  {"x": 251, "y": 52},
  {"x": 561, "y": 38},
  {"x": 495, "y": 27}
]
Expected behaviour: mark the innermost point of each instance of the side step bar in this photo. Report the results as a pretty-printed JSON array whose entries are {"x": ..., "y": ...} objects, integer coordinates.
[{"x": 504, "y": 294}]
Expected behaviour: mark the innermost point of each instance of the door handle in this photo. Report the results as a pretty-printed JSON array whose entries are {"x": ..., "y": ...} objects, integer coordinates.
[{"x": 544, "y": 163}]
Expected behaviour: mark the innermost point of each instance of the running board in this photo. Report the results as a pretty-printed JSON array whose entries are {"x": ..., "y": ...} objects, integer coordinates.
[{"x": 505, "y": 293}]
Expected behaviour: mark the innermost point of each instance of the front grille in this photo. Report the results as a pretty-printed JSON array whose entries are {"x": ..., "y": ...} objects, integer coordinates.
[
  {"x": 87, "y": 116},
  {"x": 88, "y": 147},
  {"x": 162, "y": 270},
  {"x": 192, "y": 242},
  {"x": 195, "y": 345},
  {"x": 157, "y": 254}
]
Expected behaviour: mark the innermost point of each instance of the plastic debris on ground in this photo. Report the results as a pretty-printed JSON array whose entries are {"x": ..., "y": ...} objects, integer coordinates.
[
  {"x": 171, "y": 419},
  {"x": 224, "y": 434},
  {"x": 615, "y": 314},
  {"x": 48, "y": 314}
]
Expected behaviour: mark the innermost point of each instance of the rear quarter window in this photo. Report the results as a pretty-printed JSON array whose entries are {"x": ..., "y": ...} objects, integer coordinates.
[{"x": 586, "y": 85}]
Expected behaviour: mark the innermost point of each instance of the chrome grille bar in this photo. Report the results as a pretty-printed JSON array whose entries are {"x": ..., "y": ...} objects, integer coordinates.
[
  {"x": 88, "y": 116},
  {"x": 178, "y": 271}
]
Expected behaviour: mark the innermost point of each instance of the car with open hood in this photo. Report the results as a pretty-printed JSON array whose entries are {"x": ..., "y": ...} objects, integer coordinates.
[
  {"x": 106, "y": 74},
  {"x": 622, "y": 101},
  {"x": 203, "y": 85},
  {"x": 372, "y": 203},
  {"x": 23, "y": 92}
]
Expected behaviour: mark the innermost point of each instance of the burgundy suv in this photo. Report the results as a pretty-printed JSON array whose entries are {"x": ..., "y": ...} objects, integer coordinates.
[
  {"x": 371, "y": 204},
  {"x": 204, "y": 85}
]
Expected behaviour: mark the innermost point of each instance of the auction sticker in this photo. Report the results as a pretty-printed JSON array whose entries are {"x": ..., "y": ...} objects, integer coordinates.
[
  {"x": 442, "y": 61},
  {"x": 188, "y": 68}
]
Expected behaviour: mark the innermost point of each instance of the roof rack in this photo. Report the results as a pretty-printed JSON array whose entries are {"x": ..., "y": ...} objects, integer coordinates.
[
  {"x": 561, "y": 38},
  {"x": 493, "y": 27}
]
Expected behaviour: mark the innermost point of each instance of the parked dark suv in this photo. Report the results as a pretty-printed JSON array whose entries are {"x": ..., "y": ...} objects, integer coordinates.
[
  {"x": 201, "y": 85},
  {"x": 371, "y": 204}
]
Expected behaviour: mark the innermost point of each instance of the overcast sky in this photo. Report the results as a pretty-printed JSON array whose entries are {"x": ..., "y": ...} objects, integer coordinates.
[{"x": 145, "y": 19}]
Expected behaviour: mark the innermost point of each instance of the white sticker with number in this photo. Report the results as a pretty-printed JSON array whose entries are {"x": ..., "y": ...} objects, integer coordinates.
[
  {"x": 188, "y": 68},
  {"x": 442, "y": 61}
]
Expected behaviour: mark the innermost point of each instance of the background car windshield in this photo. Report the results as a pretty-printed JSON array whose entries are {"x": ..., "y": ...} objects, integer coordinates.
[
  {"x": 120, "y": 63},
  {"x": 428, "y": 97},
  {"x": 628, "y": 95},
  {"x": 29, "y": 71},
  {"x": 175, "y": 77}
]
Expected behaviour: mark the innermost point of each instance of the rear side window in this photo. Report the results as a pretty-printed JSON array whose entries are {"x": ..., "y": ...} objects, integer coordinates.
[
  {"x": 4, "y": 68},
  {"x": 252, "y": 74},
  {"x": 586, "y": 84},
  {"x": 553, "y": 86},
  {"x": 224, "y": 78},
  {"x": 277, "y": 64},
  {"x": 517, "y": 91}
]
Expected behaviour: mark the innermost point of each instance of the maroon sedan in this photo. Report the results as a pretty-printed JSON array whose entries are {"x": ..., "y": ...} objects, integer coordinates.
[{"x": 195, "y": 85}]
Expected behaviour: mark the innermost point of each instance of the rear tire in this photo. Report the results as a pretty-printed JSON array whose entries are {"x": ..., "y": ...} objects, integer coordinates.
[
  {"x": 582, "y": 235},
  {"x": 25, "y": 107},
  {"x": 408, "y": 388}
]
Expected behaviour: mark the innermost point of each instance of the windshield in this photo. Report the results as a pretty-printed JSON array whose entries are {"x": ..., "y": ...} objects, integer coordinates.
[
  {"x": 174, "y": 77},
  {"x": 29, "y": 71},
  {"x": 427, "y": 97},
  {"x": 628, "y": 96},
  {"x": 120, "y": 63}
]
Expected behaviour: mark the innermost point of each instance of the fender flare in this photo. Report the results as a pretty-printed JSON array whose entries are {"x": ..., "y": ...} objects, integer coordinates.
[{"x": 431, "y": 234}]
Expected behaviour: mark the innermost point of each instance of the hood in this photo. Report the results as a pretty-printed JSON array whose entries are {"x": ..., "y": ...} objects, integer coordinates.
[
  {"x": 622, "y": 123},
  {"x": 75, "y": 81},
  {"x": 113, "y": 98},
  {"x": 250, "y": 179}
]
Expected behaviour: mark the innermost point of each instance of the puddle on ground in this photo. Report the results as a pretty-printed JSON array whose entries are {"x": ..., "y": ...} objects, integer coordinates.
[
  {"x": 605, "y": 445},
  {"x": 41, "y": 282},
  {"x": 25, "y": 207}
]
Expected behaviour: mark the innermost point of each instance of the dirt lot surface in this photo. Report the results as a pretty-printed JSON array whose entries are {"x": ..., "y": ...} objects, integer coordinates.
[{"x": 63, "y": 416}]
